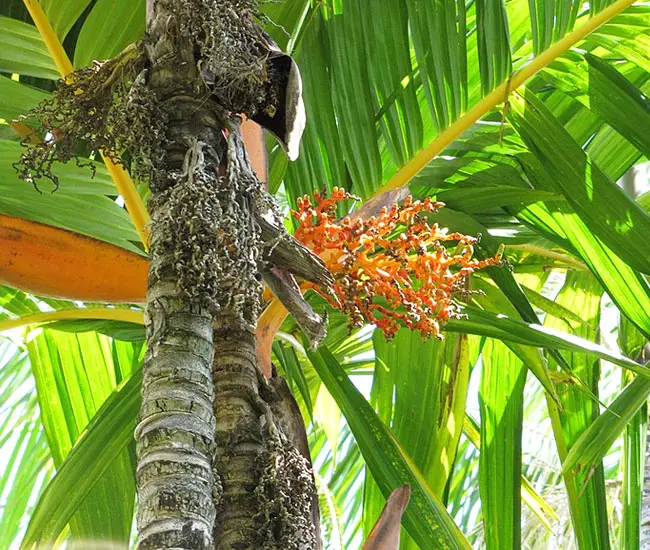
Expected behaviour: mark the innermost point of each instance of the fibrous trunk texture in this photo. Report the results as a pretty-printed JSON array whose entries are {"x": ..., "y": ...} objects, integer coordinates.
[
  {"x": 267, "y": 498},
  {"x": 215, "y": 468},
  {"x": 239, "y": 434},
  {"x": 176, "y": 431},
  {"x": 175, "y": 435}
]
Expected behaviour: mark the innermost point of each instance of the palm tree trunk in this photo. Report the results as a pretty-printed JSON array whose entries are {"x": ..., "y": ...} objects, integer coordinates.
[
  {"x": 264, "y": 486},
  {"x": 235, "y": 482},
  {"x": 175, "y": 435},
  {"x": 240, "y": 412}
]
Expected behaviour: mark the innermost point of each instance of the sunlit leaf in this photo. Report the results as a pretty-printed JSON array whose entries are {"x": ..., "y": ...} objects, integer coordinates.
[{"x": 426, "y": 519}]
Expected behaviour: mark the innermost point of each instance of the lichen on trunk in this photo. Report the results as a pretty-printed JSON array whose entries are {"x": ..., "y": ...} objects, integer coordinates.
[
  {"x": 175, "y": 435},
  {"x": 215, "y": 469}
]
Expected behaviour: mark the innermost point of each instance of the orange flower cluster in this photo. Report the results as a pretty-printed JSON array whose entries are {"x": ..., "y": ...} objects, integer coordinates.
[{"x": 391, "y": 270}]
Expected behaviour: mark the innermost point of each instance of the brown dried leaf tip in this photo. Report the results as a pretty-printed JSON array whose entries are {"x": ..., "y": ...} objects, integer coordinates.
[{"x": 391, "y": 270}]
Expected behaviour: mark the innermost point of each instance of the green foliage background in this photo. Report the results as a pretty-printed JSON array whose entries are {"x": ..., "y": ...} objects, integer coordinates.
[{"x": 529, "y": 418}]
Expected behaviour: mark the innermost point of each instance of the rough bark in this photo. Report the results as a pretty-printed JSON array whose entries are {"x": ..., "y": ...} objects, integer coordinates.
[
  {"x": 175, "y": 436},
  {"x": 215, "y": 469},
  {"x": 265, "y": 484},
  {"x": 176, "y": 431}
]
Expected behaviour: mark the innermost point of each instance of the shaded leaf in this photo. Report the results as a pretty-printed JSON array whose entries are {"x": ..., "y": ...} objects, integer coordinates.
[{"x": 101, "y": 444}]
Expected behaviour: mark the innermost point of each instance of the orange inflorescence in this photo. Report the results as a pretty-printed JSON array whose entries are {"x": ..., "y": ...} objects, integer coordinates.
[{"x": 391, "y": 270}]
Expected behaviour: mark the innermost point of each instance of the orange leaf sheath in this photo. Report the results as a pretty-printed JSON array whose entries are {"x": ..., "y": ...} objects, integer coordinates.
[{"x": 49, "y": 261}]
